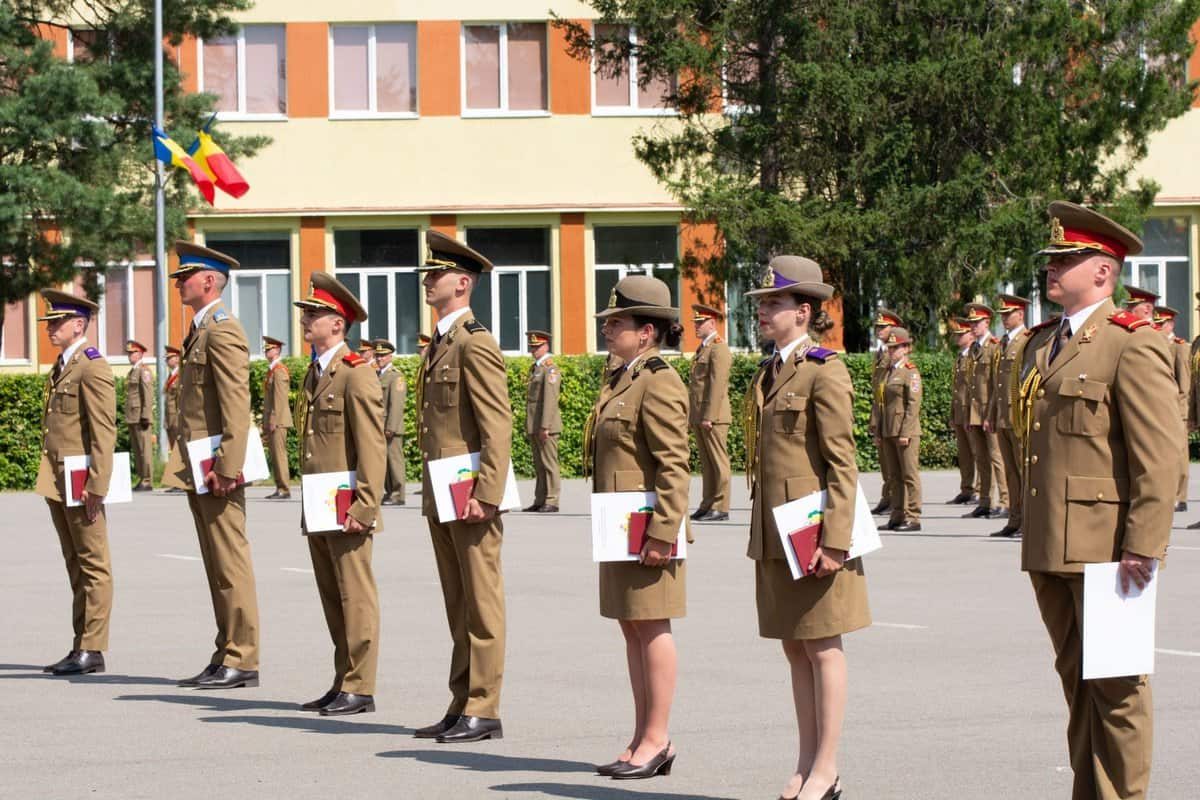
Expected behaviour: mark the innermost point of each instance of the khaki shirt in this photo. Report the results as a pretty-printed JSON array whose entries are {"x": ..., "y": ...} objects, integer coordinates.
[
  {"x": 708, "y": 386},
  {"x": 1102, "y": 459},
  {"x": 79, "y": 417},
  {"x": 541, "y": 399},
  {"x": 139, "y": 394},
  {"x": 344, "y": 429},
  {"x": 960, "y": 402},
  {"x": 276, "y": 407},
  {"x": 395, "y": 394},
  {"x": 1005, "y": 379},
  {"x": 901, "y": 415},
  {"x": 981, "y": 364}
]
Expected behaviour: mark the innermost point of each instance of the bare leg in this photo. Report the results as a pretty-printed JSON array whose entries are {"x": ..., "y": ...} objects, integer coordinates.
[
  {"x": 661, "y": 665},
  {"x": 637, "y": 681},
  {"x": 829, "y": 668},
  {"x": 804, "y": 698}
]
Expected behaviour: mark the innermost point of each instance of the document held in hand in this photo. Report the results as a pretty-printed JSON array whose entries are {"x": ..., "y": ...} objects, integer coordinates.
[
  {"x": 799, "y": 523},
  {"x": 619, "y": 522},
  {"x": 1118, "y": 627},
  {"x": 325, "y": 498},
  {"x": 202, "y": 454},
  {"x": 453, "y": 482},
  {"x": 75, "y": 475}
]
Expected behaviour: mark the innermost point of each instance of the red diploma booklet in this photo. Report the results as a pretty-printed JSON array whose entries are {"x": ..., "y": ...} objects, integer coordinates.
[
  {"x": 638, "y": 522},
  {"x": 343, "y": 500},
  {"x": 804, "y": 544},
  {"x": 461, "y": 492},
  {"x": 206, "y": 466},
  {"x": 78, "y": 479}
]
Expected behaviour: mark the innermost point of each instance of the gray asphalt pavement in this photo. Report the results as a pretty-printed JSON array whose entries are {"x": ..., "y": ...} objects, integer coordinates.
[{"x": 952, "y": 694}]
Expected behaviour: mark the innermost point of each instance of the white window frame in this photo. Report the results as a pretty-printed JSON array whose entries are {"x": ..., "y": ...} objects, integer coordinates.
[
  {"x": 364, "y": 291},
  {"x": 372, "y": 111},
  {"x": 241, "y": 113},
  {"x": 523, "y": 271},
  {"x": 98, "y": 330},
  {"x": 633, "y": 109},
  {"x": 503, "y": 110},
  {"x": 71, "y": 33},
  {"x": 235, "y": 302}
]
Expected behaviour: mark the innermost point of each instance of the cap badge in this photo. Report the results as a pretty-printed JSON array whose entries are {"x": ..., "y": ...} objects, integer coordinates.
[
  {"x": 769, "y": 278},
  {"x": 612, "y": 298},
  {"x": 1057, "y": 234}
]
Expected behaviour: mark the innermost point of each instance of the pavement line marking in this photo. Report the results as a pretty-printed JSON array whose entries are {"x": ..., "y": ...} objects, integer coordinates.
[
  {"x": 902, "y": 626},
  {"x": 181, "y": 558},
  {"x": 1177, "y": 652},
  {"x": 297, "y": 569}
]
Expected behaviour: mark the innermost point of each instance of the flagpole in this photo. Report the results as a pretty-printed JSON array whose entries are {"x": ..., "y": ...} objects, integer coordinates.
[{"x": 160, "y": 244}]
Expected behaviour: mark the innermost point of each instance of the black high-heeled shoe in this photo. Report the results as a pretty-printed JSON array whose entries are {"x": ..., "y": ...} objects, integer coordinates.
[
  {"x": 608, "y": 769},
  {"x": 659, "y": 765},
  {"x": 834, "y": 793}
]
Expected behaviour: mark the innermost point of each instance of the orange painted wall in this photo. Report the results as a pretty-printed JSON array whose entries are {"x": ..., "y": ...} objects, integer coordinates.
[
  {"x": 308, "y": 44},
  {"x": 312, "y": 250},
  {"x": 698, "y": 241},
  {"x": 188, "y": 63},
  {"x": 58, "y": 36},
  {"x": 573, "y": 284},
  {"x": 834, "y": 339},
  {"x": 438, "y": 68},
  {"x": 444, "y": 223},
  {"x": 1194, "y": 62},
  {"x": 570, "y": 78}
]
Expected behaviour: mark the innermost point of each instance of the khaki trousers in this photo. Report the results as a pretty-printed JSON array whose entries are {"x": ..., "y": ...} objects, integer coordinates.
[
  {"x": 1013, "y": 457},
  {"x": 342, "y": 566},
  {"x": 967, "y": 480},
  {"x": 221, "y": 529},
  {"x": 889, "y": 491},
  {"x": 142, "y": 450},
  {"x": 1181, "y": 495},
  {"x": 988, "y": 466},
  {"x": 904, "y": 465},
  {"x": 468, "y": 561},
  {"x": 279, "y": 458},
  {"x": 1110, "y": 720},
  {"x": 85, "y": 552},
  {"x": 713, "y": 446},
  {"x": 545, "y": 468},
  {"x": 393, "y": 485}
]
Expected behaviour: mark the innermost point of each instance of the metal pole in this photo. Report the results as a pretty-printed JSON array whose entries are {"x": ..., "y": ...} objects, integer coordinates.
[{"x": 160, "y": 244}]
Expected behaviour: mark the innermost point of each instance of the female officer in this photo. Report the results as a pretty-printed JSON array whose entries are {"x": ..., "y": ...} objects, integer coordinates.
[
  {"x": 800, "y": 428},
  {"x": 638, "y": 439}
]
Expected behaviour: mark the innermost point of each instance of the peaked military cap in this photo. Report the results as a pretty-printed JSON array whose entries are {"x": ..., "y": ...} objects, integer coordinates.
[
  {"x": 794, "y": 275},
  {"x": 423, "y": 339},
  {"x": 1011, "y": 302},
  {"x": 194, "y": 257},
  {"x": 537, "y": 338},
  {"x": 885, "y": 318},
  {"x": 1138, "y": 296},
  {"x": 1075, "y": 229},
  {"x": 978, "y": 311},
  {"x": 329, "y": 294},
  {"x": 60, "y": 305},
  {"x": 445, "y": 252},
  {"x": 898, "y": 336},
  {"x": 133, "y": 345},
  {"x": 701, "y": 313},
  {"x": 172, "y": 350},
  {"x": 1164, "y": 313},
  {"x": 382, "y": 347},
  {"x": 270, "y": 341}
]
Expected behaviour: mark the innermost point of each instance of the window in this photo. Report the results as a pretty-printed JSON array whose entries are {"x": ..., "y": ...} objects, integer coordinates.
[
  {"x": 515, "y": 296},
  {"x": 86, "y": 45},
  {"x": 126, "y": 308},
  {"x": 504, "y": 69},
  {"x": 14, "y": 334},
  {"x": 623, "y": 250},
  {"x": 740, "y": 78},
  {"x": 741, "y": 324},
  {"x": 616, "y": 92},
  {"x": 259, "y": 294},
  {"x": 374, "y": 70},
  {"x": 247, "y": 72},
  {"x": 1164, "y": 267},
  {"x": 379, "y": 266}
]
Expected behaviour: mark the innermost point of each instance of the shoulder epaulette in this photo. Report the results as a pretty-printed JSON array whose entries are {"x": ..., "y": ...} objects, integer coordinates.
[
  {"x": 549, "y": 363},
  {"x": 821, "y": 354},
  {"x": 654, "y": 364},
  {"x": 717, "y": 338},
  {"x": 92, "y": 353},
  {"x": 474, "y": 326},
  {"x": 220, "y": 316},
  {"x": 1180, "y": 341},
  {"x": 909, "y": 365},
  {"x": 1041, "y": 326},
  {"x": 354, "y": 359},
  {"x": 1128, "y": 321}
]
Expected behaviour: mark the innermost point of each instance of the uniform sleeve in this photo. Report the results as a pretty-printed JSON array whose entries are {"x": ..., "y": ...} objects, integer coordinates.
[
  {"x": 280, "y": 412},
  {"x": 364, "y": 417},
  {"x": 991, "y": 413},
  {"x": 487, "y": 392},
  {"x": 550, "y": 389},
  {"x": 664, "y": 423},
  {"x": 1183, "y": 376},
  {"x": 718, "y": 382},
  {"x": 98, "y": 396},
  {"x": 394, "y": 421},
  {"x": 832, "y": 403},
  {"x": 146, "y": 387},
  {"x": 910, "y": 425},
  {"x": 229, "y": 364}
]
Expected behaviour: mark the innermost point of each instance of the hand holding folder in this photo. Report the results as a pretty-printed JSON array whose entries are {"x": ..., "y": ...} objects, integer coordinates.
[
  {"x": 461, "y": 492},
  {"x": 638, "y": 522},
  {"x": 78, "y": 481},
  {"x": 804, "y": 543}
]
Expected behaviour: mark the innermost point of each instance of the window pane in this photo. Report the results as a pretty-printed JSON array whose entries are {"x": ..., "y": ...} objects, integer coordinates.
[
  {"x": 612, "y": 90},
  {"x": 143, "y": 308},
  {"x": 1179, "y": 295},
  {"x": 636, "y": 244},
  {"x": 671, "y": 278},
  {"x": 510, "y": 311},
  {"x": 1166, "y": 236},
  {"x": 14, "y": 341},
  {"x": 481, "y": 300},
  {"x": 254, "y": 253},
  {"x": 350, "y": 68},
  {"x": 527, "y": 66},
  {"x": 279, "y": 310},
  {"x": 116, "y": 304},
  {"x": 249, "y": 310},
  {"x": 512, "y": 247},
  {"x": 537, "y": 300},
  {"x": 88, "y": 44},
  {"x": 606, "y": 279},
  {"x": 1148, "y": 277},
  {"x": 220, "y": 72},
  {"x": 408, "y": 311},
  {"x": 392, "y": 247},
  {"x": 396, "y": 67},
  {"x": 652, "y": 94},
  {"x": 379, "y": 324},
  {"x": 351, "y": 281},
  {"x": 483, "y": 66},
  {"x": 266, "y": 70}
]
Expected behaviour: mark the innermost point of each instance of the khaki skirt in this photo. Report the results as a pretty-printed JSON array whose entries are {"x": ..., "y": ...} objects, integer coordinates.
[
  {"x": 812, "y": 607},
  {"x": 629, "y": 590}
]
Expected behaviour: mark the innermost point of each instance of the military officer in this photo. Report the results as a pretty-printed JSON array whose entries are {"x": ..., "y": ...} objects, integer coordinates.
[
  {"x": 1005, "y": 381},
  {"x": 464, "y": 408},
  {"x": 171, "y": 402},
  {"x": 1102, "y": 456},
  {"x": 79, "y": 418},
  {"x": 885, "y": 320},
  {"x": 343, "y": 430},
  {"x": 1194, "y": 395},
  {"x": 709, "y": 414},
  {"x": 543, "y": 422},
  {"x": 984, "y": 447},
  {"x": 139, "y": 413},
  {"x": 900, "y": 432},
  {"x": 395, "y": 395},
  {"x": 215, "y": 401},
  {"x": 1140, "y": 302},
  {"x": 277, "y": 415},
  {"x": 960, "y": 412},
  {"x": 1164, "y": 321},
  {"x": 366, "y": 349}
]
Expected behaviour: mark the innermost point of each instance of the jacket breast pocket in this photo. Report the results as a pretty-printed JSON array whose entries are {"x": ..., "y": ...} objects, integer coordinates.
[
  {"x": 700, "y": 369},
  {"x": 1096, "y": 512},
  {"x": 445, "y": 386},
  {"x": 331, "y": 414},
  {"x": 196, "y": 369},
  {"x": 796, "y": 488},
  {"x": 66, "y": 399},
  {"x": 1083, "y": 410},
  {"x": 790, "y": 414},
  {"x": 618, "y": 425},
  {"x": 629, "y": 480}
]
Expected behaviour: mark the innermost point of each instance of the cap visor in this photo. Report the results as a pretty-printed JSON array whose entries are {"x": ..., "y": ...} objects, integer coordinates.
[{"x": 658, "y": 312}]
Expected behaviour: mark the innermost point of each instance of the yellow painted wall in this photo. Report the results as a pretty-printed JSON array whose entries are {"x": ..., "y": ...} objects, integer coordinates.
[
  {"x": 1172, "y": 161},
  {"x": 383, "y": 10}
]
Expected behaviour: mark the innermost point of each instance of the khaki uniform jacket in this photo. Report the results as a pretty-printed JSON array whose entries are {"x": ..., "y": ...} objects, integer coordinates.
[
  {"x": 804, "y": 443},
  {"x": 1194, "y": 401},
  {"x": 79, "y": 418},
  {"x": 171, "y": 402},
  {"x": 465, "y": 408},
  {"x": 902, "y": 402},
  {"x": 214, "y": 397},
  {"x": 139, "y": 394},
  {"x": 395, "y": 396},
  {"x": 276, "y": 408},
  {"x": 980, "y": 368},
  {"x": 1103, "y": 451},
  {"x": 879, "y": 372},
  {"x": 1005, "y": 380},
  {"x": 708, "y": 386},
  {"x": 1183, "y": 372},
  {"x": 960, "y": 401},
  {"x": 541, "y": 400},
  {"x": 641, "y": 441},
  {"x": 344, "y": 429}
]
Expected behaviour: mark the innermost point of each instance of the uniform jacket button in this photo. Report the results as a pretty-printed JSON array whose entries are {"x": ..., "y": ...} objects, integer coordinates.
[
  {"x": 1037, "y": 426},
  {"x": 1033, "y": 491},
  {"x": 1099, "y": 495},
  {"x": 1033, "y": 459}
]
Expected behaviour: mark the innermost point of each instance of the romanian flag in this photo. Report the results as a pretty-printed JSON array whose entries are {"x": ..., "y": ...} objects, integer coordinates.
[
  {"x": 212, "y": 159},
  {"x": 168, "y": 151}
]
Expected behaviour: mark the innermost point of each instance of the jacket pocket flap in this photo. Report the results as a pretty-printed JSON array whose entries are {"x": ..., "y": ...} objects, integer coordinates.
[
  {"x": 629, "y": 480},
  {"x": 334, "y": 404},
  {"x": 790, "y": 401},
  {"x": 447, "y": 375},
  {"x": 456, "y": 450},
  {"x": 1104, "y": 490},
  {"x": 1082, "y": 387},
  {"x": 795, "y": 488}
]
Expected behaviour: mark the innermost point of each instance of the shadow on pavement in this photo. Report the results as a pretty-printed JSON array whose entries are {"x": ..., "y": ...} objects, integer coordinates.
[
  {"x": 490, "y": 762},
  {"x": 206, "y": 701},
  {"x": 23, "y": 667},
  {"x": 103, "y": 678},
  {"x": 314, "y": 723},
  {"x": 597, "y": 792}
]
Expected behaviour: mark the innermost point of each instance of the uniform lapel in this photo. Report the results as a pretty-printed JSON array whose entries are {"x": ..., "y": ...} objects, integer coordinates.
[
  {"x": 443, "y": 347},
  {"x": 1071, "y": 349},
  {"x": 326, "y": 379},
  {"x": 786, "y": 370}
]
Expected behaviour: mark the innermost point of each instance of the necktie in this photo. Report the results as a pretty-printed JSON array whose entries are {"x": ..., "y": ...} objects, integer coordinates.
[
  {"x": 772, "y": 373},
  {"x": 1064, "y": 336},
  {"x": 56, "y": 373},
  {"x": 1004, "y": 342}
]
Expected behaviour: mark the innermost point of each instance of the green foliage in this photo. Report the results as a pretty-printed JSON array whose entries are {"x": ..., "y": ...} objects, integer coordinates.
[{"x": 21, "y": 398}]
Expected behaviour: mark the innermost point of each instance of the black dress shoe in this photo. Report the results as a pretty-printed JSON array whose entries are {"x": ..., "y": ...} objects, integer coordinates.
[
  {"x": 349, "y": 703},
  {"x": 659, "y": 765},
  {"x": 83, "y": 662},
  {"x": 1181, "y": 506},
  {"x": 51, "y": 667},
  {"x": 208, "y": 672},
  {"x": 979, "y": 511},
  {"x": 714, "y": 516},
  {"x": 999, "y": 512},
  {"x": 176, "y": 490},
  {"x": 907, "y": 527},
  {"x": 882, "y": 507},
  {"x": 532, "y": 508},
  {"x": 888, "y": 526},
  {"x": 697, "y": 514},
  {"x": 611, "y": 767},
  {"x": 1006, "y": 531},
  {"x": 548, "y": 509},
  {"x": 229, "y": 678},
  {"x": 438, "y": 728},
  {"x": 472, "y": 729},
  {"x": 320, "y": 702},
  {"x": 1194, "y": 526}
]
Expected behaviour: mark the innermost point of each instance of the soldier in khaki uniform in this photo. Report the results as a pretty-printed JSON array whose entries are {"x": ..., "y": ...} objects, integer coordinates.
[
  {"x": 900, "y": 432},
  {"x": 79, "y": 418},
  {"x": 1005, "y": 382},
  {"x": 1194, "y": 393},
  {"x": 885, "y": 320},
  {"x": 343, "y": 430},
  {"x": 960, "y": 411},
  {"x": 988, "y": 464},
  {"x": 139, "y": 414},
  {"x": 543, "y": 422},
  {"x": 277, "y": 416},
  {"x": 709, "y": 414},
  {"x": 1102, "y": 472},
  {"x": 395, "y": 396},
  {"x": 171, "y": 402},
  {"x": 1140, "y": 302},
  {"x": 464, "y": 408},
  {"x": 1164, "y": 321},
  {"x": 215, "y": 401}
]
